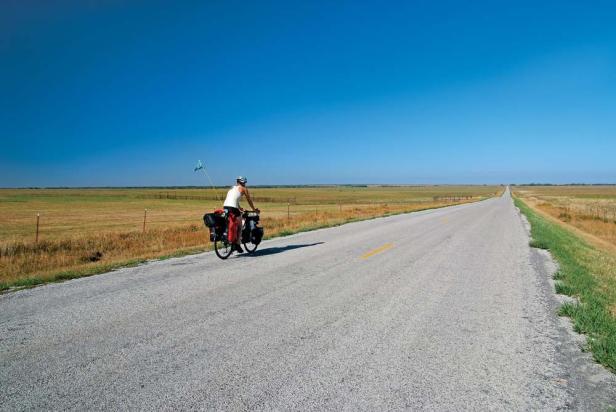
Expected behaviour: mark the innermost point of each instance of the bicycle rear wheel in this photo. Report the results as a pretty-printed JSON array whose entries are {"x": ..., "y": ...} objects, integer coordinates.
[{"x": 223, "y": 248}]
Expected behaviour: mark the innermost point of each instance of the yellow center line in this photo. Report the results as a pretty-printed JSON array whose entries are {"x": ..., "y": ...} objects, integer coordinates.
[{"x": 377, "y": 250}]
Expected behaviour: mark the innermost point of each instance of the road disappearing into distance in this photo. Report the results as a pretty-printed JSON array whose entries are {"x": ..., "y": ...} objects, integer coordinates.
[{"x": 446, "y": 309}]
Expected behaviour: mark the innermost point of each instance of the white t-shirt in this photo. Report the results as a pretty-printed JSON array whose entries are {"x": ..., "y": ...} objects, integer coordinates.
[{"x": 233, "y": 197}]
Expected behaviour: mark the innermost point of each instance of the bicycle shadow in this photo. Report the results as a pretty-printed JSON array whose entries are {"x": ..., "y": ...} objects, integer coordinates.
[{"x": 275, "y": 250}]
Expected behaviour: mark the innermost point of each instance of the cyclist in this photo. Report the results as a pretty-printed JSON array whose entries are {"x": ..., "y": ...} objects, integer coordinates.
[{"x": 234, "y": 211}]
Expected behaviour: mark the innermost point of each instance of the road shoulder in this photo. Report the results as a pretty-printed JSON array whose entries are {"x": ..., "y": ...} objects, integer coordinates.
[{"x": 592, "y": 386}]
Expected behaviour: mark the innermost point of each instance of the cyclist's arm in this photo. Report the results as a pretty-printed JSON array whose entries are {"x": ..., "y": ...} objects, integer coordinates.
[{"x": 248, "y": 198}]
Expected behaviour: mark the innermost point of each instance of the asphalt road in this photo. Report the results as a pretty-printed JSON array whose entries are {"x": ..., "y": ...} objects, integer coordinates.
[{"x": 442, "y": 310}]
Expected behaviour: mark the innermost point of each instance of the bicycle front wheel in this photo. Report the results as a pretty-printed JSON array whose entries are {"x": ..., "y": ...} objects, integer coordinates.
[{"x": 250, "y": 247}]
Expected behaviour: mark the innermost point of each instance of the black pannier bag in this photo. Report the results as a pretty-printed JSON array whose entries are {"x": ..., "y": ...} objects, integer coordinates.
[
  {"x": 252, "y": 233},
  {"x": 216, "y": 223},
  {"x": 256, "y": 235},
  {"x": 209, "y": 220}
]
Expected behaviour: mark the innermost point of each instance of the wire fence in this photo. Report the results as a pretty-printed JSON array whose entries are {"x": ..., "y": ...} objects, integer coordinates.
[
  {"x": 286, "y": 209},
  {"x": 171, "y": 195}
]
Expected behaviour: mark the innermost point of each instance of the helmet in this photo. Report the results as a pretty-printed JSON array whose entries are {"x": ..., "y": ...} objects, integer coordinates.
[{"x": 241, "y": 179}]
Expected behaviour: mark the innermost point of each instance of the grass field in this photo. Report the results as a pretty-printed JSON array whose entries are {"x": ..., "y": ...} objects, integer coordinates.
[
  {"x": 578, "y": 225},
  {"x": 86, "y": 231}
]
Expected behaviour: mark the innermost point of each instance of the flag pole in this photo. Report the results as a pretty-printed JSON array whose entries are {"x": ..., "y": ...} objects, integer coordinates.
[{"x": 202, "y": 168}]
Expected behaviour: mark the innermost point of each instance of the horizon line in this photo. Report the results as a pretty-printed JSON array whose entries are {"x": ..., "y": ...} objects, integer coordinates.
[{"x": 311, "y": 185}]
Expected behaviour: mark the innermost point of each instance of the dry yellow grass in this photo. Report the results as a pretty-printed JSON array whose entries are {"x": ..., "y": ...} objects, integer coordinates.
[
  {"x": 590, "y": 209},
  {"x": 92, "y": 230}
]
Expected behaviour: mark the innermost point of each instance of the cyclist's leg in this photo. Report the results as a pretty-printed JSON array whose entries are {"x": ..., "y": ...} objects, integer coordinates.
[
  {"x": 238, "y": 234},
  {"x": 230, "y": 225},
  {"x": 235, "y": 226}
]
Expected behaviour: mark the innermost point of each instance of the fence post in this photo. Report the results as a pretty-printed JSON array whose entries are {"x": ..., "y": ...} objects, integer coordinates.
[
  {"x": 145, "y": 215},
  {"x": 38, "y": 216},
  {"x": 288, "y": 210}
]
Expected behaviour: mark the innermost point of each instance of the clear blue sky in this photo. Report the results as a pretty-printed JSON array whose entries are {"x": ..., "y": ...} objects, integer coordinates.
[{"x": 134, "y": 93}]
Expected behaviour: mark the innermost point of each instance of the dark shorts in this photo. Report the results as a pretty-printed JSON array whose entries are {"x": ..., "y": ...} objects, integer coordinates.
[{"x": 233, "y": 211}]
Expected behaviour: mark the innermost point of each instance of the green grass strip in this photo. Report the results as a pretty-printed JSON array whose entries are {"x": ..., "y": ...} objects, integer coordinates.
[{"x": 586, "y": 273}]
